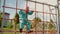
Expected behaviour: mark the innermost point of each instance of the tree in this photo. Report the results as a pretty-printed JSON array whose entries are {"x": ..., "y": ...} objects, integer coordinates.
[{"x": 16, "y": 18}]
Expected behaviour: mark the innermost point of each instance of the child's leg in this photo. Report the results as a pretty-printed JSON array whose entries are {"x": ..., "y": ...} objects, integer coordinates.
[
  {"x": 21, "y": 25},
  {"x": 28, "y": 26}
]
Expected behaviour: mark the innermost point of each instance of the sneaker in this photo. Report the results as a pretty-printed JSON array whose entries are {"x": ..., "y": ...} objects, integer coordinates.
[{"x": 20, "y": 30}]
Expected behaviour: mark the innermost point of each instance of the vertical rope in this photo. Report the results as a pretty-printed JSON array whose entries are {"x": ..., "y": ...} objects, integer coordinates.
[
  {"x": 26, "y": 3},
  {"x": 43, "y": 18},
  {"x": 35, "y": 17},
  {"x": 50, "y": 17},
  {"x": 16, "y": 13},
  {"x": 26, "y": 7},
  {"x": 26, "y": 13},
  {"x": 16, "y": 5},
  {"x": 3, "y": 16},
  {"x": 56, "y": 19}
]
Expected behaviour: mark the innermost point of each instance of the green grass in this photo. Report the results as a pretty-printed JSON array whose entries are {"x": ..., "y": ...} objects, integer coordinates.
[
  {"x": 8, "y": 32},
  {"x": 11, "y": 30}
]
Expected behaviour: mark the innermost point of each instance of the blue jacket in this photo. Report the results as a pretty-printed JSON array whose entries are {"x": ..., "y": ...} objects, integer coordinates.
[{"x": 22, "y": 14}]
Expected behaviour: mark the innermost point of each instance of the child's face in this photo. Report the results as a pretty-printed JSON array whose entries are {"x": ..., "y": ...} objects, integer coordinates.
[{"x": 27, "y": 9}]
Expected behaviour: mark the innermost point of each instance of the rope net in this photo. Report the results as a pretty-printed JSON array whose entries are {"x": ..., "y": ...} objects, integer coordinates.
[{"x": 38, "y": 25}]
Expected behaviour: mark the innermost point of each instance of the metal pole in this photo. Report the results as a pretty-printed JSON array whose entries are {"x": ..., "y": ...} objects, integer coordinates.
[{"x": 57, "y": 9}]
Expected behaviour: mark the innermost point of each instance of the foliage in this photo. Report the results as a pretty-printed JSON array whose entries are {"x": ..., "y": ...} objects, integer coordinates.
[
  {"x": 16, "y": 18},
  {"x": 10, "y": 25},
  {"x": 36, "y": 20},
  {"x": 51, "y": 24}
]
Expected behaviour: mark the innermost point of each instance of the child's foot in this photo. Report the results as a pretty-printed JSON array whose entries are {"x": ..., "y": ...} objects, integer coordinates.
[
  {"x": 30, "y": 31},
  {"x": 20, "y": 30}
]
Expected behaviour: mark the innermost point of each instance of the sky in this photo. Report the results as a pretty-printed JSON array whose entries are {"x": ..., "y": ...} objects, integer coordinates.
[{"x": 22, "y": 5}]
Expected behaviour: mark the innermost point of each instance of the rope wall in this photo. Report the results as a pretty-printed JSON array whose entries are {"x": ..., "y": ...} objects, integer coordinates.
[{"x": 36, "y": 12}]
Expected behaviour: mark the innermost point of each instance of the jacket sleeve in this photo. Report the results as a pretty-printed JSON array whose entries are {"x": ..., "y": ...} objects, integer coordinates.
[{"x": 30, "y": 13}]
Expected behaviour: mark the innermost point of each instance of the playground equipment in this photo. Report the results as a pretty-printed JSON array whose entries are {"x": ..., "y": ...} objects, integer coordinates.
[{"x": 39, "y": 25}]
